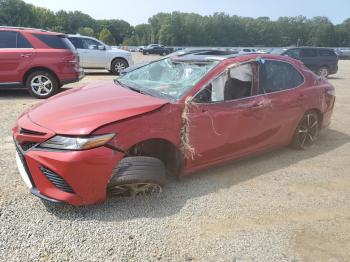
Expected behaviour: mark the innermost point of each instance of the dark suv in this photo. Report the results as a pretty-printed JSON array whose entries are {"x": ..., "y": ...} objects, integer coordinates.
[
  {"x": 322, "y": 61},
  {"x": 38, "y": 60}
]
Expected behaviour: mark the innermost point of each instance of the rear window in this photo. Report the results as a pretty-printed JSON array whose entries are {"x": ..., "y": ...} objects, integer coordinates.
[
  {"x": 326, "y": 52},
  {"x": 55, "y": 41}
]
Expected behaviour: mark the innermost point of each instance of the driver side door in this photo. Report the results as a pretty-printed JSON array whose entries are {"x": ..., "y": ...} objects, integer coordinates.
[{"x": 227, "y": 124}]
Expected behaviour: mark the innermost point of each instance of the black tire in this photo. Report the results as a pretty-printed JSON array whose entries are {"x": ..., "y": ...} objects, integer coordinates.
[
  {"x": 35, "y": 84},
  {"x": 146, "y": 53},
  {"x": 118, "y": 65},
  {"x": 307, "y": 131},
  {"x": 164, "y": 53},
  {"x": 131, "y": 172},
  {"x": 323, "y": 71}
]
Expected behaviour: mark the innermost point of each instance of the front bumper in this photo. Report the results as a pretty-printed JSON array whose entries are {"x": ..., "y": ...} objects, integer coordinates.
[{"x": 87, "y": 172}]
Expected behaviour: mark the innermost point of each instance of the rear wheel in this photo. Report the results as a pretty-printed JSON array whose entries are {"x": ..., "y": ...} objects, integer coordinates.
[
  {"x": 307, "y": 131},
  {"x": 42, "y": 84},
  {"x": 118, "y": 65},
  {"x": 136, "y": 176},
  {"x": 164, "y": 53},
  {"x": 323, "y": 72}
]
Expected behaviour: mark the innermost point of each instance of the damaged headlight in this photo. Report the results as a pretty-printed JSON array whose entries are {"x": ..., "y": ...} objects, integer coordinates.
[{"x": 76, "y": 143}]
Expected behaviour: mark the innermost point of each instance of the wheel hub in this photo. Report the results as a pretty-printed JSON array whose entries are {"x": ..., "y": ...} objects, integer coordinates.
[{"x": 136, "y": 189}]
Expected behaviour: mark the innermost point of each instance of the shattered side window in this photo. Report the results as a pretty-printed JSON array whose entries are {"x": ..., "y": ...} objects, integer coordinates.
[
  {"x": 235, "y": 83},
  {"x": 167, "y": 77}
]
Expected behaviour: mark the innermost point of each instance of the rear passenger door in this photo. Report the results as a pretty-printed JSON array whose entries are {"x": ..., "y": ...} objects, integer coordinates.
[
  {"x": 16, "y": 54},
  {"x": 282, "y": 84},
  {"x": 310, "y": 58}
]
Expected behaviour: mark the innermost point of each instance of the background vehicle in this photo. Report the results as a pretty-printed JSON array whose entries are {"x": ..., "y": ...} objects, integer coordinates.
[
  {"x": 195, "y": 51},
  {"x": 343, "y": 54},
  {"x": 157, "y": 49},
  {"x": 70, "y": 151},
  {"x": 322, "y": 61},
  {"x": 94, "y": 54},
  {"x": 38, "y": 60}
]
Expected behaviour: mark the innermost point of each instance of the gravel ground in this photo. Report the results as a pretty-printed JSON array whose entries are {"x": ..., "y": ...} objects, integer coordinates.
[{"x": 284, "y": 205}]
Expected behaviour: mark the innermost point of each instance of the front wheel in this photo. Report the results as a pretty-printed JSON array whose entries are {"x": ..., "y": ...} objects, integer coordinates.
[
  {"x": 136, "y": 176},
  {"x": 42, "y": 84},
  {"x": 307, "y": 131},
  {"x": 118, "y": 65}
]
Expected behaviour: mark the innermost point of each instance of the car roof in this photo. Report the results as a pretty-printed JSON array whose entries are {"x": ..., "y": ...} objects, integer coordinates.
[
  {"x": 28, "y": 29},
  {"x": 231, "y": 58},
  {"x": 84, "y": 36}
]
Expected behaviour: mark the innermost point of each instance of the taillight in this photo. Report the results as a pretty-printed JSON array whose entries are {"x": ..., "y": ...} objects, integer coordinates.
[
  {"x": 330, "y": 92},
  {"x": 73, "y": 59}
]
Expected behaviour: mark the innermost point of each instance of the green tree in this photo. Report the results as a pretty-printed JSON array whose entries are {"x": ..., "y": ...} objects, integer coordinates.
[
  {"x": 87, "y": 31},
  {"x": 106, "y": 37}
]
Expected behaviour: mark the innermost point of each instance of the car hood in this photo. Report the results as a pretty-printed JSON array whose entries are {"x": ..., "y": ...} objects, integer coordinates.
[
  {"x": 119, "y": 51},
  {"x": 80, "y": 111}
]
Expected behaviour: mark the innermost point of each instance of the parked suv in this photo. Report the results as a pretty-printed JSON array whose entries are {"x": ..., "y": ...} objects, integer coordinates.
[
  {"x": 322, "y": 61},
  {"x": 95, "y": 54},
  {"x": 38, "y": 60}
]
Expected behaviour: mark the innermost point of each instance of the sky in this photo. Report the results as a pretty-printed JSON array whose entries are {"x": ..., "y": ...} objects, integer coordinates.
[{"x": 137, "y": 11}]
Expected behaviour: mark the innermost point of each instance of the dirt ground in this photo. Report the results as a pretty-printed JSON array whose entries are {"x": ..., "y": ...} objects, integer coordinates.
[{"x": 285, "y": 205}]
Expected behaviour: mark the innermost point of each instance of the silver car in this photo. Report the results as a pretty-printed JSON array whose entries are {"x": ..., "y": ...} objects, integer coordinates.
[{"x": 95, "y": 54}]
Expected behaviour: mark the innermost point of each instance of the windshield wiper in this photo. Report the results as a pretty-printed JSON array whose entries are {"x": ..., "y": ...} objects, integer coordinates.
[{"x": 126, "y": 86}]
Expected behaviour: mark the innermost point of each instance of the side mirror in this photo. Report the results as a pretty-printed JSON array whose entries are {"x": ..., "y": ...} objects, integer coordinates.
[{"x": 101, "y": 47}]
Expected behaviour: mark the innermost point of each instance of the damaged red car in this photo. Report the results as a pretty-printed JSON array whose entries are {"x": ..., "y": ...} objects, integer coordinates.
[{"x": 171, "y": 117}]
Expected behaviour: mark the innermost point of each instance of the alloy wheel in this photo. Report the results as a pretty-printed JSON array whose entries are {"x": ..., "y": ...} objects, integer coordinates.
[
  {"x": 41, "y": 85},
  {"x": 308, "y": 130},
  {"x": 120, "y": 66}
]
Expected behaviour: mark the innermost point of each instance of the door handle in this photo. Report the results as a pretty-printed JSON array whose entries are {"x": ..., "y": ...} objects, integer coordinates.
[
  {"x": 301, "y": 97},
  {"x": 26, "y": 55},
  {"x": 258, "y": 106}
]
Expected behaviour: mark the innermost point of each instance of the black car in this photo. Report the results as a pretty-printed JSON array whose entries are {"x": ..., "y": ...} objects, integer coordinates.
[
  {"x": 322, "y": 61},
  {"x": 157, "y": 49}
]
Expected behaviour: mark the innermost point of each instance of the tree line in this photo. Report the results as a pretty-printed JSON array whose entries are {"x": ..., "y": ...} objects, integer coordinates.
[{"x": 183, "y": 29}]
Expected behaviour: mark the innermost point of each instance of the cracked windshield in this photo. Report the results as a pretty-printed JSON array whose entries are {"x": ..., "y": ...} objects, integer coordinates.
[{"x": 167, "y": 77}]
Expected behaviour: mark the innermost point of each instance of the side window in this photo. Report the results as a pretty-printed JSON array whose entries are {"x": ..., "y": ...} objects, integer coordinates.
[
  {"x": 234, "y": 83},
  {"x": 54, "y": 41},
  {"x": 76, "y": 42},
  {"x": 90, "y": 44},
  {"x": 278, "y": 76},
  {"x": 22, "y": 42},
  {"x": 326, "y": 52},
  {"x": 294, "y": 53},
  {"x": 8, "y": 39},
  {"x": 308, "y": 52}
]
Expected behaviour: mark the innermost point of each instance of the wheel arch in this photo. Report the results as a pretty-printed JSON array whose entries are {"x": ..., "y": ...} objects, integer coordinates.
[
  {"x": 162, "y": 149},
  {"x": 40, "y": 68},
  {"x": 118, "y": 57},
  {"x": 319, "y": 113}
]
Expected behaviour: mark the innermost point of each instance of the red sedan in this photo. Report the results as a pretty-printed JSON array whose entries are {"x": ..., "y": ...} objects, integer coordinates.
[{"x": 170, "y": 117}]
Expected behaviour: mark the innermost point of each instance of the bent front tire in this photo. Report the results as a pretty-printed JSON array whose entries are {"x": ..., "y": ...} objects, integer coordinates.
[{"x": 137, "y": 176}]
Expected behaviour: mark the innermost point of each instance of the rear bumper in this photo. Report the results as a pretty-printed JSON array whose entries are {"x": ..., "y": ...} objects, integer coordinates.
[{"x": 73, "y": 78}]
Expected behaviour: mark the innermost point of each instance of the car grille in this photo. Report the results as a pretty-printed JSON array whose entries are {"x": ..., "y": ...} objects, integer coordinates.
[
  {"x": 27, "y": 145},
  {"x": 56, "y": 180},
  {"x": 24, "y": 162}
]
